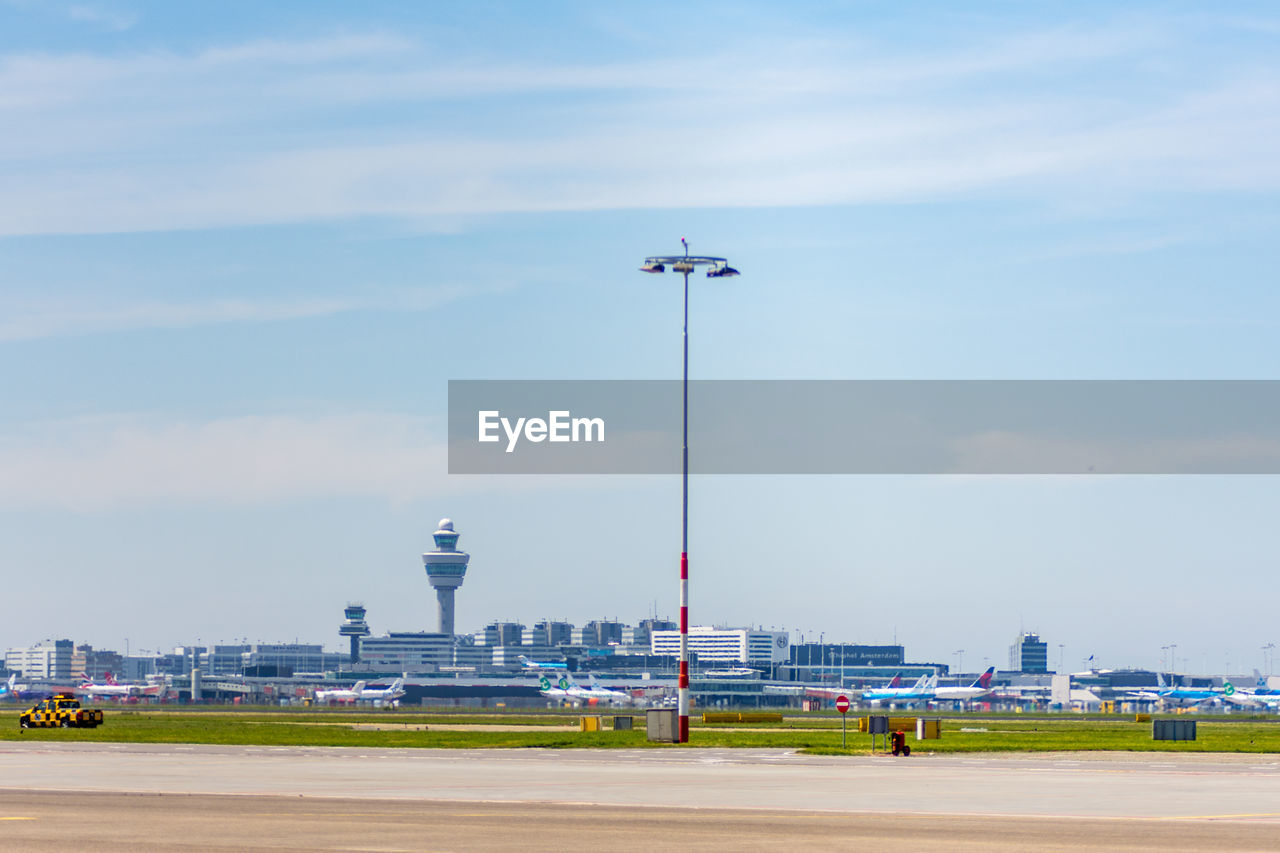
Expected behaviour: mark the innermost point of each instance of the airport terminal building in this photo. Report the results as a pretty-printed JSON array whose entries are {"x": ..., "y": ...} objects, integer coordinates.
[{"x": 730, "y": 645}]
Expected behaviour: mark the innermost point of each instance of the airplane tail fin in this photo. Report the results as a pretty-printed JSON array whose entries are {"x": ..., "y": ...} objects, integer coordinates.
[
  {"x": 1160, "y": 680},
  {"x": 111, "y": 678},
  {"x": 984, "y": 680},
  {"x": 358, "y": 688},
  {"x": 896, "y": 681},
  {"x": 921, "y": 683}
]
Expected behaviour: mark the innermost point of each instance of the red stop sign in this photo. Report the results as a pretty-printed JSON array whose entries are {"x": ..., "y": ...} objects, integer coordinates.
[{"x": 842, "y": 704}]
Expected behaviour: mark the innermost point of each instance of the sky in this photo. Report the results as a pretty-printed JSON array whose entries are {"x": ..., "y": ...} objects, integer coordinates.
[{"x": 243, "y": 248}]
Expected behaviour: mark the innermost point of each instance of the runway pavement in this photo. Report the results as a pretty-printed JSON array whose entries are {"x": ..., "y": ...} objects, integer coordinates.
[{"x": 213, "y": 798}]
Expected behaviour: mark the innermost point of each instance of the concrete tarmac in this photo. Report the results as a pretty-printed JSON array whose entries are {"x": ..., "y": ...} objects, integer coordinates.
[{"x": 169, "y": 797}]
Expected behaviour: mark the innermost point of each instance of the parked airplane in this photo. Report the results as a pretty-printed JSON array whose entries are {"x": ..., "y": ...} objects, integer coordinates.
[
  {"x": 542, "y": 664},
  {"x": 109, "y": 688},
  {"x": 921, "y": 691},
  {"x": 339, "y": 694},
  {"x": 560, "y": 690},
  {"x": 9, "y": 690},
  {"x": 596, "y": 692},
  {"x": 1169, "y": 695},
  {"x": 1261, "y": 692},
  {"x": 821, "y": 691},
  {"x": 114, "y": 689},
  {"x": 1260, "y": 687},
  {"x": 567, "y": 688},
  {"x": 359, "y": 692},
  {"x": 1259, "y": 696},
  {"x": 384, "y": 694},
  {"x": 981, "y": 687}
]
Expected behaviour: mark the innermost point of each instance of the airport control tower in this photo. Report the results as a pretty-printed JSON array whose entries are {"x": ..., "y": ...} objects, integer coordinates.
[
  {"x": 446, "y": 567},
  {"x": 355, "y": 627}
]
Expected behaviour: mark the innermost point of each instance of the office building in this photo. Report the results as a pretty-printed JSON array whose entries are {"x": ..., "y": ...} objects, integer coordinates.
[
  {"x": 742, "y": 645},
  {"x": 407, "y": 651},
  {"x": 1029, "y": 654},
  {"x": 845, "y": 654},
  {"x": 47, "y": 659}
]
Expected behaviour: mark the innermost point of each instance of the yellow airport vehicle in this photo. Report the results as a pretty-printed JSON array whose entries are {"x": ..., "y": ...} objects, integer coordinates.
[{"x": 62, "y": 710}]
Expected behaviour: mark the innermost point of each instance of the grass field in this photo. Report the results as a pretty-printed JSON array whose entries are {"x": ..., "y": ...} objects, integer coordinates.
[{"x": 815, "y": 733}]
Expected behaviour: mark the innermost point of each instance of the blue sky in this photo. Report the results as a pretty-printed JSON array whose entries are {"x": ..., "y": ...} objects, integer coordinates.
[{"x": 242, "y": 249}]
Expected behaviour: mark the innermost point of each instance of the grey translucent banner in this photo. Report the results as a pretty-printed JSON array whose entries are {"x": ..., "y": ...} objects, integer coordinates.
[{"x": 866, "y": 427}]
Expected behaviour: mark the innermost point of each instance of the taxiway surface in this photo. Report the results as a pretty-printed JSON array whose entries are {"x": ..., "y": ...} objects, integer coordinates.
[{"x": 405, "y": 799}]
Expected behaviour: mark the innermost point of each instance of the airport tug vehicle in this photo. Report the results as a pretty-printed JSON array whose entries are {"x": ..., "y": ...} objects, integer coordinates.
[{"x": 62, "y": 710}]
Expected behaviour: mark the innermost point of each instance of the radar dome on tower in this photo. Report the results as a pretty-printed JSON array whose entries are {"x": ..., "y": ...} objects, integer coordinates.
[{"x": 446, "y": 538}]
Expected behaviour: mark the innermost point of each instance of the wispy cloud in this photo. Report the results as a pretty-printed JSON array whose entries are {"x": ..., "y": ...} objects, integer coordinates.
[
  {"x": 110, "y": 19},
  {"x": 104, "y": 463},
  {"x": 66, "y": 319},
  {"x": 245, "y": 134},
  {"x": 100, "y": 463}
]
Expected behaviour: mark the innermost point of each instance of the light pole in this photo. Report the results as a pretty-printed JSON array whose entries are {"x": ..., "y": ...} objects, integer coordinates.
[{"x": 719, "y": 268}]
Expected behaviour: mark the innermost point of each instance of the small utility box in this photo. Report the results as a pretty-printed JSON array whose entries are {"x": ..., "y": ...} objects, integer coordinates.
[
  {"x": 928, "y": 728},
  {"x": 623, "y": 724},
  {"x": 589, "y": 724},
  {"x": 1173, "y": 729},
  {"x": 662, "y": 725}
]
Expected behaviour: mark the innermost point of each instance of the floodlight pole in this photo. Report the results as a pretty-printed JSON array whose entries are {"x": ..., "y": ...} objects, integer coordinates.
[
  {"x": 682, "y": 703},
  {"x": 719, "y": 268}
]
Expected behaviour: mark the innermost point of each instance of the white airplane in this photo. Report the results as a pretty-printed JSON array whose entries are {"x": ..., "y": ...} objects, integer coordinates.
[
  {"x": 559, "y": 690},
  {"x": 384, "y": 694},
  {"x": 921, "y": 691},
  {"x": 340, "y": 694},
  {"x": 732, "y": 672},
  {"x": 981, "y": 687},
  {"x": 596, "y": 693},
  {"x": 567, "y": 688},
  {"x": 114, "y": 689},
  {"x": 1257, "y": 696},
  {"x": 542, "y": 664},
  {"x": 821, "y": 691},
  {"x": 9, "y": 690},
  {"x": 359, "y": 692}
]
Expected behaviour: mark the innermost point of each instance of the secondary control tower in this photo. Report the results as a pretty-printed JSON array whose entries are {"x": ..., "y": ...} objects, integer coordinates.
[
  {"x": 446, "y": 568},
  {"x": 355, "y": 628}
]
